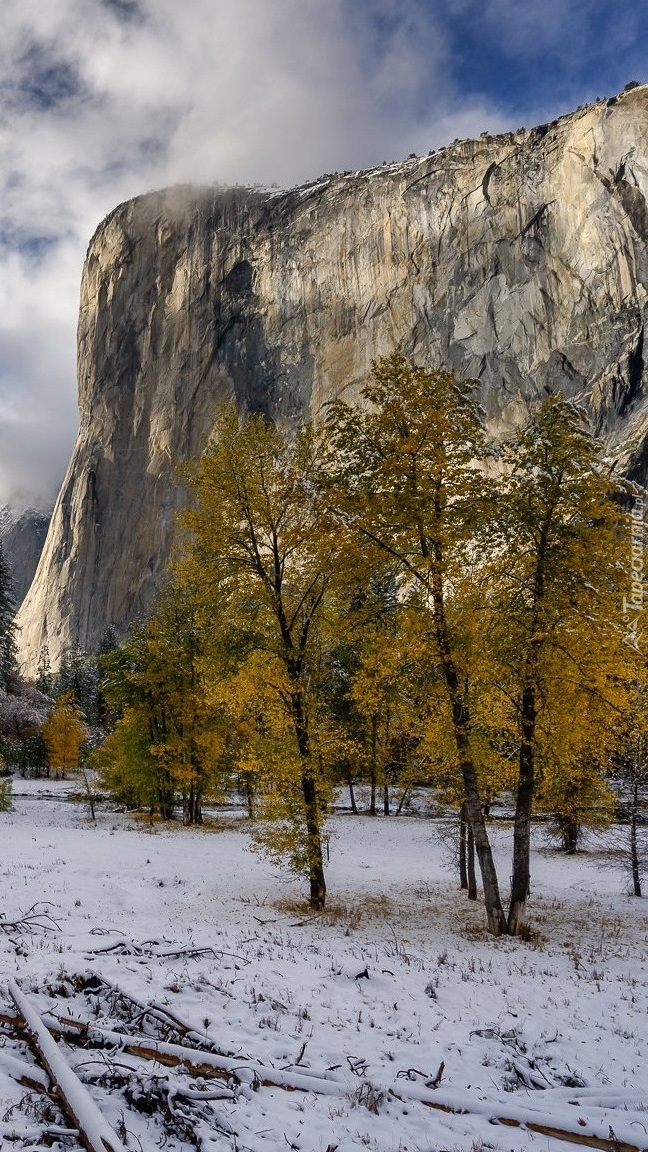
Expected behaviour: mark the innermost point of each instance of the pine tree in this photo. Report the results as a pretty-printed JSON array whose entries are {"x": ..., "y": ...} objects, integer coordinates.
[
  {"x": 78, "y": 674},
  {"x": 44, "y": 678},
  {"x": 107, "y": 644},
  {"x": 7, "y": 625}
]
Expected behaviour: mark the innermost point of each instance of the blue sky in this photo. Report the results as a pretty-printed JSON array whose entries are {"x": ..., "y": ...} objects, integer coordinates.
[
  {"x": 103, "y": 99},
  {"x": 549, "y": 55}
]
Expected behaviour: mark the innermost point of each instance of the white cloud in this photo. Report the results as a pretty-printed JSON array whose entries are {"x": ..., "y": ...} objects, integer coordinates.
[{"x": 37, "y": 396}]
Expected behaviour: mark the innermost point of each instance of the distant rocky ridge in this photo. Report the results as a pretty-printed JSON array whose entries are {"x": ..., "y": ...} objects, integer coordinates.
[
  {"x": 520, "y": 259},
  {"x": 22, "y": 535}
]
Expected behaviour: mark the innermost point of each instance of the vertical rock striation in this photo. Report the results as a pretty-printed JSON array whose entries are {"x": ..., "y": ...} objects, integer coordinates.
[{"x": 520, "y": 259}]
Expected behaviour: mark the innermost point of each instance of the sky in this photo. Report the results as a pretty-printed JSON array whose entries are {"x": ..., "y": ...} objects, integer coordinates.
[{"x": 101, "y": 100}]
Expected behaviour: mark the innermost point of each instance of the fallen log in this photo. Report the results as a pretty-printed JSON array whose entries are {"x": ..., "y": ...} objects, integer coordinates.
[
  {"x": 34, "y": 1133},
  {"x": 588, "y": 1133},
  {"x": 593, "y": 1132},
  {"x": 94, "y": 1130},
  {"x": 197, "y": 1060},
  {"x": 29, "y": 1075}
]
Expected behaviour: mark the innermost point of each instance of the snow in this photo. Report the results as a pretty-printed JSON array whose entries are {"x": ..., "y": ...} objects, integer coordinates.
[
  {"x": 91, "y": 1121},
  {"x": 551, "y": 1029}
]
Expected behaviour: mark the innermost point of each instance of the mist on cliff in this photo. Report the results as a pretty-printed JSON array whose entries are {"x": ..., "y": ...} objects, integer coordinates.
[{"x": 101, "y": 100}]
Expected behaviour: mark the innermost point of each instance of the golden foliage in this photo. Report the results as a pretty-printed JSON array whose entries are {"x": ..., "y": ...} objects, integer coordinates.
[{"x": 64, "y": 734}]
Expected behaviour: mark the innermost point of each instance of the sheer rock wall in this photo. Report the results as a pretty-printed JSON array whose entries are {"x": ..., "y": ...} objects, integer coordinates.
[{"x": 520, "y": 259}]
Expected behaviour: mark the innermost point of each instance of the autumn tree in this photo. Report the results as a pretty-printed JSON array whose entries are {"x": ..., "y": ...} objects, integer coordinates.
[
  {"x": 166, "y": 741},
  {"x": 407, "y": 480},
  {"x": 64, "y": 734},
  {"x": 265, "y": 553},
  {"x": 556, "y": 578},
  {"x": 628, "y": 763},
  {"x": 576, "y": 795},
  {"x": 513, "y": 568},
  {"x": 388, "y": 692},
  {"x": 127, "y": 768},
  {"x": 191, "y": 742}
]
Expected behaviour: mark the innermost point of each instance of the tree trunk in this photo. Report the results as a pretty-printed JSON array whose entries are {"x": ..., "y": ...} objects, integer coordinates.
[
  {"x": 372, "y": 802},
  {"x": 192, "y": 805},
  {"x": 472, "y": 880},
  {"x": 463, "y": 871},
  {"x": 634, "y": 847},
  {"x": 521, "y": 876},
  {"x": 571, "y": 832},
  {"x": 89, "y": 793},
  {"x": 315, "y": 860},
  {"x": 461, "y": 724},
  {"x": 354, "y": 806},
  {"x": 249, "y": 800},
  {"x": 386, "y": 800},
  {"x": 311, "y": 807},
  {"x": 166, "y": 798},
  {"x": 402, "y": 801},
  {"x": 493, "y": 904}
]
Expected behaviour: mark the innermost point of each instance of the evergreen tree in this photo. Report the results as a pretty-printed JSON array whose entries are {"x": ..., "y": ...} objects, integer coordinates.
[
  {"x": 44, "y": 678},
  {"x": 7, "y": 624},
  {"x": 107, "y": 644},
  {"x": 78, "y": 675}
]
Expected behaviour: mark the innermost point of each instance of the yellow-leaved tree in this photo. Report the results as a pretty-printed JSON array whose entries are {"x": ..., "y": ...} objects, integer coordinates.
[
  {"x": 406, "y": 480},
  {"x": 168, "y": 742},
  {"x": 628, "y": 766},
  {"x": 64, "y": 734},
  {"x": 390, "y": 698},
  {"x": 557, "y": 578},
  {"x": 264, "y": 553},
  {"x": 515, "y": 574}
]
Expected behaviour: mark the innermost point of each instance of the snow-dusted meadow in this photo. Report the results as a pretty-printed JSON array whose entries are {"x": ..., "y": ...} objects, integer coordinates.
[{"x": 366, "y": 1002}]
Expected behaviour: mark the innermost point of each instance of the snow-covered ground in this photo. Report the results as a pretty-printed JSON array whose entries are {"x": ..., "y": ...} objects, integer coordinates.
[{"x": 369, "y": 1000}]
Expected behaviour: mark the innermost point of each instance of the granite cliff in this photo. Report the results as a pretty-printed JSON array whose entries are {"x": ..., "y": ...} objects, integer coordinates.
[
  {"x": 22, "y": 535},
  {"x": 520, "y": 259}
]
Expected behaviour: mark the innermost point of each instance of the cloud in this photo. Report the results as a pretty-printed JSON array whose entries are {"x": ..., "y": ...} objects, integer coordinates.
[
  {"x": 103, "y": 99},
  {"x": 37, "y": 402}
]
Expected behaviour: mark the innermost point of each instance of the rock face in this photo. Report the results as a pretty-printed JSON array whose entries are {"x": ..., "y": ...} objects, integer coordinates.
[
  {"x": 22, "y": 536},
  {"x": 520, "y": 259}
]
